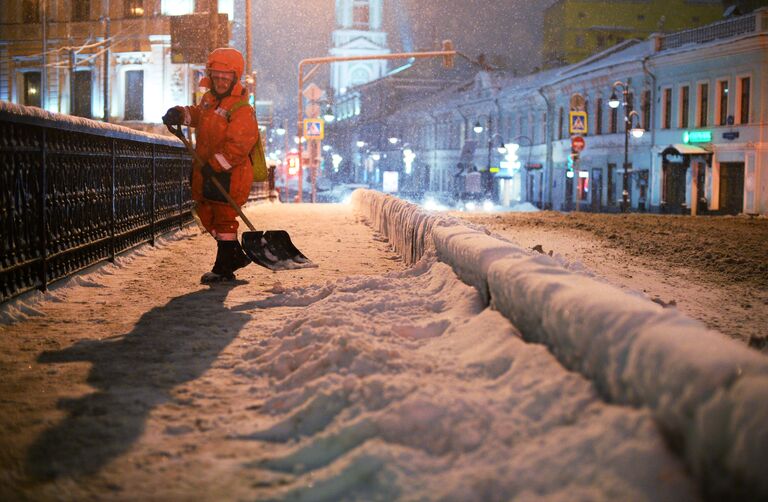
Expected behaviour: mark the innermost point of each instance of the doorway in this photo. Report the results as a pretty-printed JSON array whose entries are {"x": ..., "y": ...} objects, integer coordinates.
[
  {"x": 731, "y": 187},
  {"x": 81, "y": 94},
  {"x": 597, "y": 189},
  {"x": 134, "y": 95},
  {"x": 674, "y": 187}
]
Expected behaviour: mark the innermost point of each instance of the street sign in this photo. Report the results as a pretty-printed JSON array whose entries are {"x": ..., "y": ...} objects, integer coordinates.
[
  {"x": 313, "y": 110},
  {"x": 190, "y": 38},
  {"x": 577, "y": 122},
  {"x": 577, "y": 144},
  {"x": 312, "y": 92},
  {"x": 578, "y": 102},
  {"x": 314, "y": 128}
]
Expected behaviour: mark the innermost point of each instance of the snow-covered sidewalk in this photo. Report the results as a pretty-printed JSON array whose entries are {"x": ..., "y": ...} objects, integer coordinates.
[{"x": 361, "y": 379}]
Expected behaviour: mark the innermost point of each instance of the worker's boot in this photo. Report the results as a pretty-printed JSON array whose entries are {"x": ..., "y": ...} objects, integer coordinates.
[{"x": 229, "y": 257}]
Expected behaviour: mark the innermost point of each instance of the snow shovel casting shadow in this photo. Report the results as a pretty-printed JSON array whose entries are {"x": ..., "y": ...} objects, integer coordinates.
[{"x": 272, "y": 249}]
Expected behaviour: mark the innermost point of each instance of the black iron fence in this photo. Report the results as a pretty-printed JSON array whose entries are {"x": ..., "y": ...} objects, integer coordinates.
[{"x": 74, "y": 192}]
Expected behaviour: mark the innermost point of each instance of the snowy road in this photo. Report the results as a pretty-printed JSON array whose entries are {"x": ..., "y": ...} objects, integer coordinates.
[{"x": 360, "y": 379}]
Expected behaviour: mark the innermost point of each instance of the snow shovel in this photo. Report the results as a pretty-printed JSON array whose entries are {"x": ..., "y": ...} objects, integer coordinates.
[{"x": 272, "y": 249}]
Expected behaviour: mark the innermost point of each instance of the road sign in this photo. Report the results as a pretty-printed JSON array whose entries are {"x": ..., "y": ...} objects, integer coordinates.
[
  {"x": 312, "y": 92},
  {"x": 577, "y": 144},
  {"x": 313, "y": 110},
  {"x": 578, "y": 102},
  {"x": 578, "y": 122},
  {"x": 314, "y": 128}
]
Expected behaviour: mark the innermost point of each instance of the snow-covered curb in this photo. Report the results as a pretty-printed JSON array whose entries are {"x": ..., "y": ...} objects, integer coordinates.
[{"x": 708, "y": 393}]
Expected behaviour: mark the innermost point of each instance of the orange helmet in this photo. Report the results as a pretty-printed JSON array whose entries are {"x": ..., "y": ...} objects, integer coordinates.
[{"x": 226, "y": 59}]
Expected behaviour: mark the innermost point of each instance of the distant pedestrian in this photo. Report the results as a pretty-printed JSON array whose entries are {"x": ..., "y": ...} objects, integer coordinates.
[{"x": 226, "y": 133}]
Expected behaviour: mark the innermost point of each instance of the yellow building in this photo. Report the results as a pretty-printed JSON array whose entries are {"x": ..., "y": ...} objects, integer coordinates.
[{"x": 575, "y": 29}]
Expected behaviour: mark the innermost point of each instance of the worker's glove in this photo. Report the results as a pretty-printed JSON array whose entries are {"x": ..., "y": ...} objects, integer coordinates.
[
  {"x": 174, "y": 116},
  {"x": 210, "y": 191}
]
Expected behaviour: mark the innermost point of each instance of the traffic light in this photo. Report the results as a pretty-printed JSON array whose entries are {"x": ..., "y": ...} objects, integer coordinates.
[{"x": 448, "y": 58}]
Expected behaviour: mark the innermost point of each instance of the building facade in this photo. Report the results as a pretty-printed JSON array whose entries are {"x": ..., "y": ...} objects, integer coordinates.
[
  {"x": 700, "y": 95},
  {"x": 94, "y": 58}
]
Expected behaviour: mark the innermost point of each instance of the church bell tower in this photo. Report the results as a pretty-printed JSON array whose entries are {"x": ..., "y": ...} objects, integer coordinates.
[{"x": 358, "y": 32}]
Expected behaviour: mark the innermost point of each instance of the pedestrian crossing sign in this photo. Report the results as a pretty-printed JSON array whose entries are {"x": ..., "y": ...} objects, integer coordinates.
[
  {"x": 314, "y": 128},
  {"x": 578, "y": 122}
]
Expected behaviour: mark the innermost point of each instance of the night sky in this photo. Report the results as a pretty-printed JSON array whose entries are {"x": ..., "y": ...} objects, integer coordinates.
[{"x": 286, "y": 33}]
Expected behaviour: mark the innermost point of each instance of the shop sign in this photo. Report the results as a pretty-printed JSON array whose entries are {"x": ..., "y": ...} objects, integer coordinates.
[
  {"x": 671, "y": 158},
  {"x": 731, "y": 135},
  {"x": 697, "y": 137}
]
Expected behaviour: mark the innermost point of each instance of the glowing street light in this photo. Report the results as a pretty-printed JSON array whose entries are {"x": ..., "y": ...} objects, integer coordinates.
[
  {"x": 393, "y": 140},
  {"x": 636, "y": 131},
  {"x": 478, "y": 128}
]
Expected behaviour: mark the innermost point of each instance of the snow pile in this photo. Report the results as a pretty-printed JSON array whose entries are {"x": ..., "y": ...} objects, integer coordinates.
[
  {"x": 407, "y": 387},
  {"x": 708, "y": 393}
]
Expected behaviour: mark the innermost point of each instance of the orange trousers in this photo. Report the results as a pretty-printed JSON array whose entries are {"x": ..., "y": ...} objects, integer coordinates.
[{"x": 219, "y": 218}]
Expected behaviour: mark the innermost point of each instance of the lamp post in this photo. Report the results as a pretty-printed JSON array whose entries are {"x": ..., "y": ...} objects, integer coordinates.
[
  {"x": 637, "y": 132},
  {"x": 478, "y": 128}
]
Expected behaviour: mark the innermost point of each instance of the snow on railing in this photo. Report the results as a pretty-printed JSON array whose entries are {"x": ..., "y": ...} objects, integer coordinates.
[
  {"x": 708, "y": 393},
  {"x": 715, "y": 31}
]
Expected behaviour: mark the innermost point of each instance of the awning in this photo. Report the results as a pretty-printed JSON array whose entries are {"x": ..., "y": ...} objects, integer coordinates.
[{"x": 683, "y": 149}]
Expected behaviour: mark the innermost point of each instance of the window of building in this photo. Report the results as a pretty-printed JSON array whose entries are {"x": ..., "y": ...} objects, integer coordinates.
[
  {"x": 81, "y": 10},
  {"x": 685, "y": 106},
  {"x": 744, "y": 89},
  {"x": 630, "y": 103},
  {"x": 561, "y": 122},
  {"x": 599, "y": 117},
  {"x": 134, "y": 8},
  {"x": 647, "y": 110},
  {"x": 641, "y": 17},
  {"x": 666, "y": 109},
  {"x": 722, "y": 103},
  {"x": 177, "y": 7},
  {"x": 600, "y": 41},
  {"x": 703, "y": 105},
  {"x": 613, "y": 125},
  {"x": 30, "y": 11},
  {"x": 361, "y": 14},
  {"x": 32, "y": 88}
]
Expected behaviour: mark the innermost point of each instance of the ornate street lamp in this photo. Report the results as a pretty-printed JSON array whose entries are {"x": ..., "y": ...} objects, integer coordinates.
[{"x": 636, "y": 132}]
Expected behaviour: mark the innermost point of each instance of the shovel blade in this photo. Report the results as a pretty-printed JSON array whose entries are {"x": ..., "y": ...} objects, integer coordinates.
[{"x": 273, "y": 249}]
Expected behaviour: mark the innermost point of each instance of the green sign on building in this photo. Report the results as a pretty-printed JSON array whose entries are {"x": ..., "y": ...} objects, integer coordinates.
[{"x": 697, "y": 137}]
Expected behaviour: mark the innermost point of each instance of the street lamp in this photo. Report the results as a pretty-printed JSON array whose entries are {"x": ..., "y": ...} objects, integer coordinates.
[
  {"x": 328, "y": 115},
  {"x": 636, "y": 132},
  {"x": 393, "y": 140},
  {"x": 478, "y": 128}
]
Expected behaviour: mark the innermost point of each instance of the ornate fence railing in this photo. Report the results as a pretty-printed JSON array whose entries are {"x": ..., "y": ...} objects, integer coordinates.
[{"x": 74, "y": 192}]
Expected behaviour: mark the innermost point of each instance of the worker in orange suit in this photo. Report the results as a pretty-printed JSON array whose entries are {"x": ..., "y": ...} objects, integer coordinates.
[{"x": 226, "y": 133}]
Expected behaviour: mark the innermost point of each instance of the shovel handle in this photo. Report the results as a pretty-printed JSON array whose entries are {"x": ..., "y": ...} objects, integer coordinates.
[{"x": 177, "y": 132}]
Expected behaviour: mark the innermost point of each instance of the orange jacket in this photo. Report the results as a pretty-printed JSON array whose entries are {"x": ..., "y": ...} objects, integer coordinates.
[{"x": 224, "y": 140}]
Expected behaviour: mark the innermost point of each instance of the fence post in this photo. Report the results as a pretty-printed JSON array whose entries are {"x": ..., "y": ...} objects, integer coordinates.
[
  {"x": 43, "y": 219},
  {"x": 181, "y": 195},
  {"x": 152, "y": 198},
  {"x": 114, "y": 203}
]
